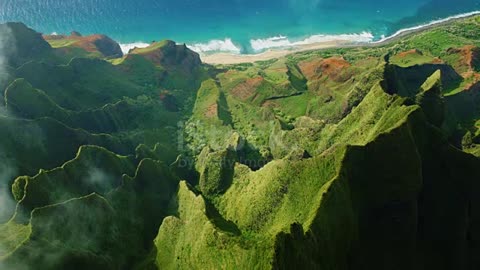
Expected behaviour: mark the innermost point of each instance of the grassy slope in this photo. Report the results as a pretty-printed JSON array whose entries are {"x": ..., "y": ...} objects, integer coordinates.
[
  {"x": 316, "y": 211},
  {"x": 266, "y": 202},
  {"x": 47, "y": 119},
  {"x": 122, "y": 223},
  {"x": 339, "y": 155}
]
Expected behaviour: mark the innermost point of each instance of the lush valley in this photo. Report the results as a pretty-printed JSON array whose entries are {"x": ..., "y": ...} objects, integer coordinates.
[{"x": 346, "y": 158}]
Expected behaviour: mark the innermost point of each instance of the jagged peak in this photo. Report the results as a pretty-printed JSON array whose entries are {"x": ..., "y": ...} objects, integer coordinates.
[
  {"x": 22, "y": 43},
  {"x": 433, "y": 83},
  {"x": 169, "y": 54},
  {"x": 431, "y": 100}
]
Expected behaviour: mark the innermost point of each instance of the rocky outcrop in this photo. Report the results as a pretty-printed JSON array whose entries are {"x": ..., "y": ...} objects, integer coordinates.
[
  {"x": 170, "y": 55},
  {"x": 107, "y": 46},
  {"x": 469, "y": 57},
  {"x": 431, "y": 100},
  {"x": 102, "y": 44},
  {"x": 216, "y": 170},
  {"x": 334, "y": 68},
  {"x": 406, "y": 81},
  {"x": 22, "y": 44}
]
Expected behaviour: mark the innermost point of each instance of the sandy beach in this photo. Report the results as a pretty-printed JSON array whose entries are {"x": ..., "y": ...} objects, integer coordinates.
[{"x": 228, "y": 58}]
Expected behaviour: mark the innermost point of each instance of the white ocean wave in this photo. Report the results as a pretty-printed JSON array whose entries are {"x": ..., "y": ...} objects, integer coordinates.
[
  {"x": 215, "y": 45},
  {"x": 419, "y": 27},
  {"x": 284, "y": 42},
  {"x": 362, "y": 37},
  {"x": 273, "y": 42},
  {"x": 128, "y": 46},
  {"x": 280, "y": 37}
]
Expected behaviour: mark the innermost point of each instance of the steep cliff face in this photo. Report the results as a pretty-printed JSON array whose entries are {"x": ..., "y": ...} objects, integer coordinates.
[
  {"x": 172, "y": 66},
  {"x": 371, "y": 205},
  {"x": 468, "y": 58},
  {"x": 99, "y": 44},
  {"x": 370, "y": 199},
  {"x": 170, "y": 55},
  {"x": 23, "y": 44},
  {"x": 376, "y": 188},
  {"x": 107, "y": 46}
]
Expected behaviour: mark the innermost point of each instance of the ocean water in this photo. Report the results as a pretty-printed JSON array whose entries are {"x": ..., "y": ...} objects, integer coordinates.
[{"x": 236, "y": 26}]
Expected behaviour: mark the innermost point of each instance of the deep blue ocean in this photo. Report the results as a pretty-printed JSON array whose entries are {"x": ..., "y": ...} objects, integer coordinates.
[{"x": 240, "y": 26}]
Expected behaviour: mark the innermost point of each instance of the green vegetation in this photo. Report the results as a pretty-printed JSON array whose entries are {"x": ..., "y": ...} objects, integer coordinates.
[
  {"x": 154, "y": 46},
  {"x": 412, "y": 58},
  {"x": 345, "y": 158}
]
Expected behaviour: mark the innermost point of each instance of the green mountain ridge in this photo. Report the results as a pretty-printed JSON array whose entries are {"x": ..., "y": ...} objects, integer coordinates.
[{"x": 344, "y": 158}]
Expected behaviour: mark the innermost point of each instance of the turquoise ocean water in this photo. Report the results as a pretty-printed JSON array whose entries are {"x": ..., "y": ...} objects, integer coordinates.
[{"x": 238, "y": 26}]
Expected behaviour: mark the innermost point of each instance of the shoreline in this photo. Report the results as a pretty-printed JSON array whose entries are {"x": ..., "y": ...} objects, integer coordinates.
[{"x": 223, "y": 58}]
